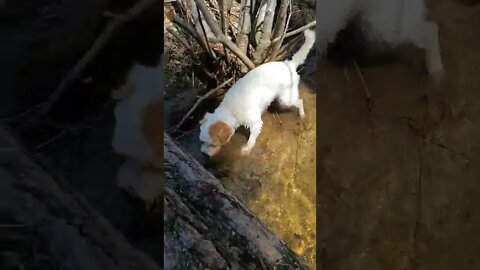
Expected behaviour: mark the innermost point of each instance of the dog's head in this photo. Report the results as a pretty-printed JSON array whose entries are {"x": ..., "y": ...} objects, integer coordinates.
[{"x": 213, "y": 134}]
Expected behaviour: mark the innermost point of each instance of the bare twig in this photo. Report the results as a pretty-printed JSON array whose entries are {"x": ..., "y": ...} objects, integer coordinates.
[
  {"x": 365, "y": 87},
  {"x": 202, "y": 98},
  {"x": 287, "y": 47},
  {"x": 279, "y": 122},
  {"x": 190, "y": 30},
  {"x": 94, "y": 50},
  {"x": 300, "y": 29},
  {"x": 50, "y": 140}
]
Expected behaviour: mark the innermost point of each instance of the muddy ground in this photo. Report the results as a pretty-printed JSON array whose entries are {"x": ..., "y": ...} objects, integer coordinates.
[{"x": 398, "y": 186}]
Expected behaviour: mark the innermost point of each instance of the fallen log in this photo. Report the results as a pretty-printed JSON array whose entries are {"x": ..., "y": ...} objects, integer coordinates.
[
  {"x": 42, "y": 223},
  {"x": 206, "y": 227}
]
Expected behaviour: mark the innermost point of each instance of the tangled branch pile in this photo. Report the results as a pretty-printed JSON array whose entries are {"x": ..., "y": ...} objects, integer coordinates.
[{"x": 233, "y": 36}]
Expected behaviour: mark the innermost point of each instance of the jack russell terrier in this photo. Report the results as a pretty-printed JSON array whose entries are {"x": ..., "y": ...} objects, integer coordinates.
[
  {"x": 138, "y": 132},
  {"x": 250, "y": 96},
  {"x": 393, "y": 22}
]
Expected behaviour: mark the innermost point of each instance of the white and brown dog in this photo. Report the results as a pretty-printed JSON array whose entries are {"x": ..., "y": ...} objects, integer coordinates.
[
  {"x": 138, "y": 133},
  {"x": 393, "y": 22},
  {"x": 250, "y": 96}
]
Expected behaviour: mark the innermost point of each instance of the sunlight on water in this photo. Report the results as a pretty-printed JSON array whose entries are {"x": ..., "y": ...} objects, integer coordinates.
[{"x": 277, "y": 181}]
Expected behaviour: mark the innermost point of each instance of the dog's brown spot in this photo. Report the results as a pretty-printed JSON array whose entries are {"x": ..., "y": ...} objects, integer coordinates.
[
  {"x": 220, "y": 133},
  {"x": 152, "y": 130}
]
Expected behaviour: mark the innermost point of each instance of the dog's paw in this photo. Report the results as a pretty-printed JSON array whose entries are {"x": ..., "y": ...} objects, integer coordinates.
[
  {"x": 246, "y": 150},
  {"x": 303, "y": 120},
  {"x": 301, "y": 113},
  {"x": 303, "y": 117}
]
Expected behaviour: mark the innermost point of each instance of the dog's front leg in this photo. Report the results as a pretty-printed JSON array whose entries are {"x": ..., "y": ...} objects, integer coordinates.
[
  {"x": 255, "y": 130},
  {"x": 301, "y": 110}
]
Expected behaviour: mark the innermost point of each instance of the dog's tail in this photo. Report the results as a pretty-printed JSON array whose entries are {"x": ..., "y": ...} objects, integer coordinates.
[{"x": 301, "y": 55}]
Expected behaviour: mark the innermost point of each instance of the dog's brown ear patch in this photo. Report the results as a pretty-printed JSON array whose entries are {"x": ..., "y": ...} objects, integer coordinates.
[
  {"x": 152, "y": 129},
  {"x": 220, "y": 133}
]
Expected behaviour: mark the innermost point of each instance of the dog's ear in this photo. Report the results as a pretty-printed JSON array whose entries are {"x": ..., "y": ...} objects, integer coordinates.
[
  {"x": 220, "y": 133},
  {"x": 204, "y": 119}
]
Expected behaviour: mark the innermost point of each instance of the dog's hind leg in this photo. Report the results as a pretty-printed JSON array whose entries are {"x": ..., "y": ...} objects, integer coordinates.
[
  {"x": 425, "y": 36},
  {"x": 255, "y": 130},
  {"x": 293, "y": 99}
]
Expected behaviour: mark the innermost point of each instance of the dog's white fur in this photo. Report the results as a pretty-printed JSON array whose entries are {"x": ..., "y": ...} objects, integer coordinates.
[
  {"x": 142, "y": 182},
  {"x": 140, "y": 174},
  {"x": 394, "y": 22},
  {"x": 144, "y": 85},
  {"x": 250, "y": 96}
]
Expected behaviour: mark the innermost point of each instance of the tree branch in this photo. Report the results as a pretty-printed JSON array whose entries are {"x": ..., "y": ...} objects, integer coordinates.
[
  {"x": 199, "y": 21},
  {"x": 245, "y": 27},
  {"x": 202, "y": 98},
  {"x": 101, "y": 41},
  {"x": 221, "y": 4},
  {"x": 258, "y": 21},
  {"x": 300, "y": 29},
  {"x": 281, "y": 27},
  {"x": 190, "y": 30}
]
